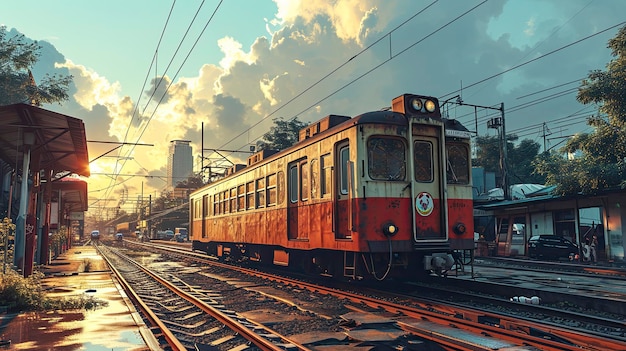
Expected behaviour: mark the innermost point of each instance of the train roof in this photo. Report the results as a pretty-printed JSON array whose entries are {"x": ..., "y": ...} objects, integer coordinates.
[{"x": 332, "y": 124}]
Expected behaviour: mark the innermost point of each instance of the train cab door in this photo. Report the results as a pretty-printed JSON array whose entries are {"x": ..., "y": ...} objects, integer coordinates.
[
  {"x": 297, "y": 211},
  {"x": 343, "y": 213},
  {"x": 428, "y": 195}
]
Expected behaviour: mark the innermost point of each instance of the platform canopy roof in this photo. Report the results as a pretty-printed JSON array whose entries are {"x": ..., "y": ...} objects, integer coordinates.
[{"x": 57, "y": 140}]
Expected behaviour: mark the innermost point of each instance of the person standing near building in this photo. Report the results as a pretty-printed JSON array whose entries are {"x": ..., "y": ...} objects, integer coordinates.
[{"x": 593, "y": 249}]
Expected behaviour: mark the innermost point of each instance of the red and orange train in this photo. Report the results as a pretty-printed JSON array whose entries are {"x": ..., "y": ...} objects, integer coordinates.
[{"x": 383, "y": 194}]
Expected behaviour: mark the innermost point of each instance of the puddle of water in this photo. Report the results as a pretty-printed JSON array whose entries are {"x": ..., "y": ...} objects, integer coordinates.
[
  {"x": 106, "y": 328},
  {"x": 85, "y": 330}
]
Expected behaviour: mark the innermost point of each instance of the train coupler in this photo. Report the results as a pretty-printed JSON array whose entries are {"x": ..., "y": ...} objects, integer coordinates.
[{"x": 438, "y": 262}]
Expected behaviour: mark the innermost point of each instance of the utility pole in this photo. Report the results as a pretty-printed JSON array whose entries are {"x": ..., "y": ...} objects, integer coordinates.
[
  {"x": 503, "y": 165},
  {"x": 141, "y": 214},
  {"x": 494, "y": 123},
  {"x": 149, "y": 224},
  {"x": 202, "y": 152},
  {"x": 498, "y": 123}
]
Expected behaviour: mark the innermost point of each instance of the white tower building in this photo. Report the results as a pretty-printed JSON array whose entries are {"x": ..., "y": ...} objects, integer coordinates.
[{"x": 179, "y": 162}]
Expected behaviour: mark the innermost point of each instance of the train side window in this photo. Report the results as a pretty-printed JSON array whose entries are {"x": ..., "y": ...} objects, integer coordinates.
[
  {"x": 260, "y": 193},
  {"x": 344, "y": 157},
  {"x": 315, "y": 178},
  {"x": 423, "y": 160},
  {"x": 457, "y": 164},
  {"x": 205, "y": 206},
  {"x": 241, "y": 198},
  {"x": 233, "y": 200},
  {"x": 216, "y": 204},
  {"x": 293, "y": 183},
  {"x": 271, "y": 190},
  {"x": 386, "y": 158},
  {"x": 196, "y": 209},
  {"x": 225, "y": 202},
  {"x": 327, "y": 180},
  {"x": 304, "y": 181},
  {"x": 250, "y": 195}
]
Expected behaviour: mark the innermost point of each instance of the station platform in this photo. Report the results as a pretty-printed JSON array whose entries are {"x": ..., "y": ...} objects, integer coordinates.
[{"x": 79, "y": 272}]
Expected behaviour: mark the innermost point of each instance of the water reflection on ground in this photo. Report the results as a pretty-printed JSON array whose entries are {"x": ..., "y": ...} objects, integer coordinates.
[{"x": 110, "y": 327}]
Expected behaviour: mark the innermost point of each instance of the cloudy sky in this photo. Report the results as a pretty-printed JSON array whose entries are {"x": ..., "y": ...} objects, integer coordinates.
[{"x": 150, "y": 71}]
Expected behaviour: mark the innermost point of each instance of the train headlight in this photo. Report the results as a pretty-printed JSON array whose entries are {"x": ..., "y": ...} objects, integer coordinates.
[
  {"x": 389, "y": 229},
  {"x": 460, "y": 228},
  {"x": 430, "y": 106},
  {"x": 416, "y": 104}
]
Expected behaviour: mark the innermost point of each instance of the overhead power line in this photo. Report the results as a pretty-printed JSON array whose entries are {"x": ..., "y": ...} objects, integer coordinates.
[
  {"x": 392, "y": 56},
  {"x": 177, "y": 72},
  {"x": 532, "y": 60}
]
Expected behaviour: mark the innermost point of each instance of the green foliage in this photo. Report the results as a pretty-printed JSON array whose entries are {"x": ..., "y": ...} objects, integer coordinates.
[
  {"x": 26, "y": 294},
  {"x": 17, "y": 56},
  {"x": 580, "y": 175},
  {"x": 193, "y": 182},
  {"x": 488, "y": 153},
  {"x": 519, "y": 157},
  {"x": 56, "y": 240},
  {"x": 7, "y": 235},
  {"x": 609, "y": 88},
  {"x": 19, "y": 293},
  {"x": 86, "y": 265},
  {"x": 163, "y": 202},
  {"x": 602, "y": 164},
  {"x": 283, "y": 134}
]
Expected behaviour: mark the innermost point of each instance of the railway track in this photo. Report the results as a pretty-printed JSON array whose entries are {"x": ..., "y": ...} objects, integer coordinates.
[
  {"x": 184, "y": 317},
  {"x": 450, "y": 326},
  {"x": 608, "y": 271}
]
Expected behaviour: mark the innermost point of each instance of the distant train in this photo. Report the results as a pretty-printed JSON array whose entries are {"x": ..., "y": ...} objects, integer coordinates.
[
  {"x": 95, "y": 235},
  {"x": 384, "y": 194}
]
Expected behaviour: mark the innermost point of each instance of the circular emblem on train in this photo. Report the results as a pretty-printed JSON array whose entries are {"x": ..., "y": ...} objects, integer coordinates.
[{"x": 424, "y": 204}]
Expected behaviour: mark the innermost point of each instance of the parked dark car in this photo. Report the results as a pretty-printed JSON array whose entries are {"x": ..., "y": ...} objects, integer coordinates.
[
  {"x": 552, "y": 247},
  {"x": 169, "y": 235}
]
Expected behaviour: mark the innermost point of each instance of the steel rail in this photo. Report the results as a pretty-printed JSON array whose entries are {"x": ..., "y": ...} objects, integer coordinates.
[
  {"x": 258, "y": 340},
  {"x": 506, "y": 328},
  {"x": 171, "y": 339}
]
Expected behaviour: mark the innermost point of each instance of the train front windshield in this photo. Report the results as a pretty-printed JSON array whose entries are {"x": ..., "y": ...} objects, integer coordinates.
[
  {"x": 386, "y": 158},
  {"x": 457, "y": 168}
]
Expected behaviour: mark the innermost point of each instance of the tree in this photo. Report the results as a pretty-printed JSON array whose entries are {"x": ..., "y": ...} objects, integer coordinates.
[
  {"x": 282, "y": 135},
  {"x": 519, "y": 158},
  {"x": 603, "y": 161},
  {"x": 163, "y": 202},
  {"x": 17, "y": 85},
  {"x": 488, "y": 153},
  {"x": 193, "y": 182}
]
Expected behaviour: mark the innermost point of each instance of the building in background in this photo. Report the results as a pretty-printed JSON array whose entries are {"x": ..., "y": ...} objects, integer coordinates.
[{"x": 179, "y": 162}]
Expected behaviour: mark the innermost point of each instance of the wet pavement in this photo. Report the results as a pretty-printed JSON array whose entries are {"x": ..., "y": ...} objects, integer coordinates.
[{"x": 79, "y": 272}]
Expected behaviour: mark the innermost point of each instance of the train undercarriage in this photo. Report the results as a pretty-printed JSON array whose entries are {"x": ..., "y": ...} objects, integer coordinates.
[{"x": 338, "y": 264}]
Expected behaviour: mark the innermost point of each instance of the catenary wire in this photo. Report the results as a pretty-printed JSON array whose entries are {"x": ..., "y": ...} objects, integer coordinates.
[
  {"x": 534, "y": 59},
  {"x": 178, "y": 71},
  {"x": 111, "y": 185},
  {"x": 370, "y": 70},
  {"x": 329, "y": 74},
  {"x": 476, "y": 83}
]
